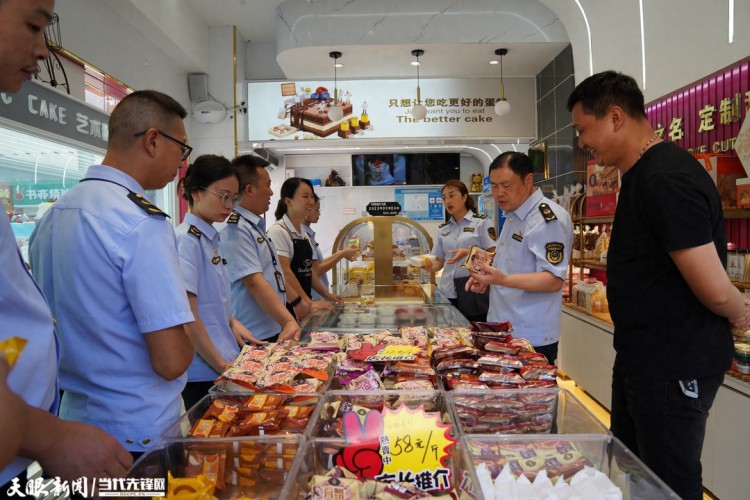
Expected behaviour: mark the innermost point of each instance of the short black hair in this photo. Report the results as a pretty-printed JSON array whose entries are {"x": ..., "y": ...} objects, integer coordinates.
[
  {"x": 140, "y": 111},
  {"x": 518, "y": 162},
  {"x": 247, "y": 169},
  {"x": 599, "y": 92},
  {"x": 205, "y": 170}
]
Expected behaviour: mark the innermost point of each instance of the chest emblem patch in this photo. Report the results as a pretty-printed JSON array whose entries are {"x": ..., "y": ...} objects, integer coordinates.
[
  {"x": 261, "y": 239},
  {"x": 493, "y": 233},
  {"x": 216, "y": 260},
  {"x": 554, "y": 252}
]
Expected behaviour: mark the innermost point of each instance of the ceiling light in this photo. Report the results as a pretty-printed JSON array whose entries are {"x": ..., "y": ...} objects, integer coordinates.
[
  {"x": 335, "y": 113},
  {"x": 502, "y": 106},
  {"x": 418, "y": 112},
  {"x": 494, "y": 62}
]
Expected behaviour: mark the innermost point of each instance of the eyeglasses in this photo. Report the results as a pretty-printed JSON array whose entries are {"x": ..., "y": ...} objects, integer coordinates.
[
  {"x": 229, "y": 200},
  {"x": 186, "y": 150}
]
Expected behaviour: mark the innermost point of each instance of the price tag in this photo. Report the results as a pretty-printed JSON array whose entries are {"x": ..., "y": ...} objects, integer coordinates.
[
  {"x": 400, "y": 445},
  {"x": 395, "y": 353}
]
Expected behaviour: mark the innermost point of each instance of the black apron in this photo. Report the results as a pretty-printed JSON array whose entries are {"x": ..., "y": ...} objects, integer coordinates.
[{"x": 301, "y": 264}]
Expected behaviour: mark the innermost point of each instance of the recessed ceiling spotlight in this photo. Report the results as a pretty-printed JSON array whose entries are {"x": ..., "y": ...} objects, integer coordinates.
[{"x": 494, "y": 62}]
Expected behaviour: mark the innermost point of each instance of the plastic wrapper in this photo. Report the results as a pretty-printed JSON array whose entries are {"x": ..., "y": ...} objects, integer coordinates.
[{"x": 477, "y": 258}]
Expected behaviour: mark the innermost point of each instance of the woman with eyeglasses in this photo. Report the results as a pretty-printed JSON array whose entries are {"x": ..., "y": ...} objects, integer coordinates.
[
  {"x": 324, "y": 264},
  {"x": 464, "y": 229},
  {"x": 297, "y": 257},
  {"x": 210, "y": 187}
]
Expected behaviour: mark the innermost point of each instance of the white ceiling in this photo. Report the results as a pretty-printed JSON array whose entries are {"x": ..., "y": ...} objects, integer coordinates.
[{"x": 256, "y": 21}]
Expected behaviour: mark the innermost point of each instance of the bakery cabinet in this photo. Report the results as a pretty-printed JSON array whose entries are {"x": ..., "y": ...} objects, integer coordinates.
[
  {"x": 588, "y": 265},
  {"x": 386, "y": 245}
]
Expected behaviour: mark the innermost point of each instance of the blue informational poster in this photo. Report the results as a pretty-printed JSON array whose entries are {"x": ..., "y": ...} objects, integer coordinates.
[{"x": 424, "y": 203}]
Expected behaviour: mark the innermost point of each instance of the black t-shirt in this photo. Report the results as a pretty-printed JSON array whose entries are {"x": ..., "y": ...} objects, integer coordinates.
[{"x": 667, "y": 202}]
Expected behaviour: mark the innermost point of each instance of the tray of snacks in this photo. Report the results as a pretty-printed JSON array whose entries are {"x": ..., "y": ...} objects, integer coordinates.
[
  {"x": 570, "y": 466},
  {"x": 253, "y": 467},
  {"x": 528, "y": 411},
  {"x": 231, "y": 415}
]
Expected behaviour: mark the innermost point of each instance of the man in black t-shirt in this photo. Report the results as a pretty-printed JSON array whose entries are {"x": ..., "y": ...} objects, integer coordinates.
[{"x": 669, "y": 295}]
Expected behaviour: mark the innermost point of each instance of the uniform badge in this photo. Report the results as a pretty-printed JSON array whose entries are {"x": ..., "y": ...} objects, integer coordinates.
[
  {"x": 493, "y": 233},
  {"x": 216, "y": 260},
  {"x": 146, "y": 205},
  {"x": 261, "y": 239},
  {"x": 195, "y": 232},
  {"x": 480, "y": 216},
  {"x": 554, "y": 252},
  {"x": 469, "y": 230},
  {"x": 443, "y": 224},
  {"x": 446, "y": 233},
  {"x": 234, "y": 218},
  {"x": 547, "y": 212},
  {"x": 518, "y": 237}
]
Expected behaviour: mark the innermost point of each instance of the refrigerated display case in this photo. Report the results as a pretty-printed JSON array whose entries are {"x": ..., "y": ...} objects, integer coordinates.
[{"x": 386, "y": 245}]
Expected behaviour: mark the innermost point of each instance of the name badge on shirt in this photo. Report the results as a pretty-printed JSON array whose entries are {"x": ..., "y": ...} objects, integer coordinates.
[
  {"x": 517, "y": 237},
  {"x": 279, "y": 281},
  {"x": 469, "y": 230}
]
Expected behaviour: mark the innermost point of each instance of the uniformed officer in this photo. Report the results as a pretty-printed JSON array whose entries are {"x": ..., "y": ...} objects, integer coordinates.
[
  {"x": 464, "y": 229},
  {"x": 28, "y": 391},
  {"x": 259, "y": 293},
  {"x": 210, "y": 187},
  {"x": 107, "y": 260},
  {"x": 532, "y": 256}
]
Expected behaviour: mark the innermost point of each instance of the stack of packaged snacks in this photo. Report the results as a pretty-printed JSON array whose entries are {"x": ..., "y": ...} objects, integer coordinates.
[
  {"x": 506, "y": 412},
  {"x": 285, "y": 367},
  {"x": 496, "y": 360},
  {"x": 219, "y": 416},
  {"x": 368, "y": 366}
]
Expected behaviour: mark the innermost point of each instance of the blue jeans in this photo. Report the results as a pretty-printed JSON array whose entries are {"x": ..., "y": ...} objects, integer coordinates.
[{"x": 663, "y": 426}]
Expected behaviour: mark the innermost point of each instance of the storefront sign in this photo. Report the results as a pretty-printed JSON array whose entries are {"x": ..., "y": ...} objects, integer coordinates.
[
  {"x": 26, "y": 193},
  {"x": 41, "y": 107},
  {"x": 705, "y": 117},
  {"x": 381, "y": 108},
  {"x": 383, "y": 208},
  {"x": 421, "y": 203}
]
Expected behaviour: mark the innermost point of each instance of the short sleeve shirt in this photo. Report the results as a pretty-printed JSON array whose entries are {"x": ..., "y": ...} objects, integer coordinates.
[
  {"x": 283, "y": 240},
  {"x": 317, "y": 255},
  {"x": 471, "y": 230},
  {"x": 249, "y": 251},
  {"x": 24, "y": 313},
  {"x": 205, "y": 275},
  {"x": 107, "y": 261},
  {"x": 535, "y": 237}
]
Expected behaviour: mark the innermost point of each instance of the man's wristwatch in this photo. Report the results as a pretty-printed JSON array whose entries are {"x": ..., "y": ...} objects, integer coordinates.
[{"x": 296, "y": 301}]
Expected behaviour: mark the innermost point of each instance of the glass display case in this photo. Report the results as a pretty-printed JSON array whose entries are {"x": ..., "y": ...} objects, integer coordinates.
[{"x": 386, "y": 245}]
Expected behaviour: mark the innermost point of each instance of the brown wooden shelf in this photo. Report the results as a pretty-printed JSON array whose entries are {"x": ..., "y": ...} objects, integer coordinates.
[
  {"x": 594, "y": 220},
  {"x": 736, "y": 213},
  {"x": 605, "y": 317},
  {"x": 591, "y": 264}
]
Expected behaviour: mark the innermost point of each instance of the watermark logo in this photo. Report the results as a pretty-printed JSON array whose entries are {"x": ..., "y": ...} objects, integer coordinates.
[{"x": 89, "y": 488}]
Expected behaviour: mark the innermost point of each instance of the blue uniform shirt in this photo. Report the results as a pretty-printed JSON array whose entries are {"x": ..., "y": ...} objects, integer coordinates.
[
  {"x": 471, "y": 230},
  {"x": 317, "y": 255},
  {"x": 107, "y": 261},
  {"x": 535, "y": 237},
  {"x": 205, "y": 275},
  {"x": 24, "y": 313},
  {"x": 249, "y": 251}
]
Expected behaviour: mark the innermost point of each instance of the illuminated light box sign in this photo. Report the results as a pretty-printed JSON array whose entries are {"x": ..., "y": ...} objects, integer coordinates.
[{"x": 377, "y": 109}]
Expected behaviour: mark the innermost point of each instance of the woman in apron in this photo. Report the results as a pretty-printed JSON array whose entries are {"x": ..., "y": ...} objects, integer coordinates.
[{"x": 296, "y": 254}]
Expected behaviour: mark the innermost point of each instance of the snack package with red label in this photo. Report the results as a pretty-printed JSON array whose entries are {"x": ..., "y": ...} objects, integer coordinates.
[
  {"x": 454, "y": 352},
  {"x": 501, "y": 378},
  {"x": 461, "y": 365},
  {"x": 490, "y": 327},
  {"x": 539, "y": 372},
  {"x": 501, "y": 347}
]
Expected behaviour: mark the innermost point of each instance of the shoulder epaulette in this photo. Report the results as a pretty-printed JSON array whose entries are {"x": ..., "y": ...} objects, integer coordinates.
[
  {"x": 480, "y": 216},
  {"x": 234, "y": 218},
  {"x": 444, "y": 224},
  {"x": 146, "y": 205},
  {"x": 195, "y": 232},
  {"x": 547, "y": 212}
]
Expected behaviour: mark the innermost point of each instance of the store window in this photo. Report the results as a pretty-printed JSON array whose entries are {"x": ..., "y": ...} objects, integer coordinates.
[
  {"x": 34, "y": 172},
  {"x": 101, "y": 91}
]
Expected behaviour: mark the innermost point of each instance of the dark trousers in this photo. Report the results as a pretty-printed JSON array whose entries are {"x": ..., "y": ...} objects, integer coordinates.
[
  {"x": 663, "y": 426},
  {"x": 550, "y": 351},
  {"x": 194, "y": 392},
  {"x": 481, "y": 317}
]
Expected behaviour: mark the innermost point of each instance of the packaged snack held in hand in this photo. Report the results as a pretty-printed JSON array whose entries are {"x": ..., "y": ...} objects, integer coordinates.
[{"x": 477, "y": 257}]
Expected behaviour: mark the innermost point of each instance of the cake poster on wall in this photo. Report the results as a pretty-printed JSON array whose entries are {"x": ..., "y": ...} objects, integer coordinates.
[{"x": 301, "y": 110}]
